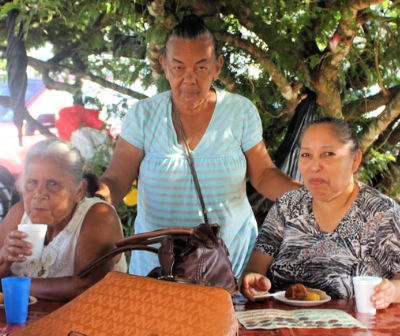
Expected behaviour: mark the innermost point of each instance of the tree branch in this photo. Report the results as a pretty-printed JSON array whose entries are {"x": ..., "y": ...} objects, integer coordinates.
[
  {"x": 247, "y": 18},
  {"x": 325, "y": 79},
  {"x": 362, "y": 4},
  {"x": 42, "y": 129},
  {"x": 391, "y": 112},
  {"x": 44, "y": 67},
  {"x": 368, "y": 104},
  {"x": 156, "y": 8},
  {"x": 289, "y": 92},
  {"x": 52, "y": 84},
  {"x": 229, "y": 81},
  {"x": 394, "y": 137},
  {"x": 387, "y": 136}
]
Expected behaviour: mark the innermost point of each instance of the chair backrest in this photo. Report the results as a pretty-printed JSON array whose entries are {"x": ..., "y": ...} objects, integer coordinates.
[
  {"x": 8, "y": 193},
  {"x": 123, "y": 304}
]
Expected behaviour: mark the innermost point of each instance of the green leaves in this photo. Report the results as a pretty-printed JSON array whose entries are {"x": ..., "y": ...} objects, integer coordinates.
[
  {"x": 376, "y": 164},
  {"x": 5, "y": 8},
  {"x": 269, "y": 46}
]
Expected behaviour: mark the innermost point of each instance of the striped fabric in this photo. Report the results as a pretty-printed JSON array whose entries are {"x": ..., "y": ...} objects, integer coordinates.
[{"x": 167, "y": 196}]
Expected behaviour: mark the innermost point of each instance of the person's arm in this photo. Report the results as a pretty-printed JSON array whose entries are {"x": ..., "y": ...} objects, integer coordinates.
[
  {"x": 386, "y": 253},
  {"x": 387, "y": 292},
  {"x": 267, "y": 246},
  {"x": 253, "y": 279},
  {"x": 265, "y": 177},
  {"x": 11, "y": 244},
  {"x": 123, "y": 169},
  {"x": 100, "y": 230}
]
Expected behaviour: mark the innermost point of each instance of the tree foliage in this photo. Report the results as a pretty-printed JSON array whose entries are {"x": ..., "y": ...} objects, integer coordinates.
[{"x": 345, "y": 51}]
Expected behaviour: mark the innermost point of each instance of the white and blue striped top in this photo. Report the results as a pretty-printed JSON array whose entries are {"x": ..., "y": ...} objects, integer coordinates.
[{"x": 166, "y": 193}]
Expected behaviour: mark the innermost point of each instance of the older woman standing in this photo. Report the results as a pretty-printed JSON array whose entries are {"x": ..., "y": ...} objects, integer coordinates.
[
  {"x": 332, "y": 229},
  {"x": 224, "y": 133},
  {"x": 79, "y": 229}
]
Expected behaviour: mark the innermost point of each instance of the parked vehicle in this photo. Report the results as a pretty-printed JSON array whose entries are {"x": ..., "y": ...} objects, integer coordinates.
[
  {"x": 11, "y": 160},
  {"x": 43, "y": 105}
]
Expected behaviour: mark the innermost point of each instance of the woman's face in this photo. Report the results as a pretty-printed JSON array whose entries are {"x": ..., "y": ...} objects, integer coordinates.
[
  {"x": 190, "y": 67},
  {"x": 49, "y": 194},
  {"x": 326, "y": 164}
]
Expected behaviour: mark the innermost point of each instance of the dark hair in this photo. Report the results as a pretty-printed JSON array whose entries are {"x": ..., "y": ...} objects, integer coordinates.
[
  {"x": 346, "y": 134},
  {"x": 67, "y": 156},
  {"x": 190, "y": 28}
]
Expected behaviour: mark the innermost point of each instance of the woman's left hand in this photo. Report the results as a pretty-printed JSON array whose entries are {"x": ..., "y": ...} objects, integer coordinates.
[{"x": 384, "y": 294}]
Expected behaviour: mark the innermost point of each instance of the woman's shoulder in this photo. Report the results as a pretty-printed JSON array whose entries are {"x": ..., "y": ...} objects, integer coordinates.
[
  {"x": 149, "y": 102},
  {"x": 226, "y": 96},
  {"x": 17, "y": 210},
  {"x": 372, "y": 199},
  {"x": 149, "y": 108},
  {"x": 95, "y": 204},
  {"x": 294, "y": 201},
  {"x": 296, "y": 195},
  {"x": 13, "y": 217},
  {"x": 95, "y": 211},
  {"x": 101, "y": 214}
]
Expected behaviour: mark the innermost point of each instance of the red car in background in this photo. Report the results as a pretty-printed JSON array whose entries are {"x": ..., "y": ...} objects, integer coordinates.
[
  {"x": 43, "y": 105},
  {"x": 11, "y": 160},
  {"x": 55, "y": 110}
]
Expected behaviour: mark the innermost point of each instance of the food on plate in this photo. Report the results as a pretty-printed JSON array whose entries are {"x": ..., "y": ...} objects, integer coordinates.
[
  {"x": 321, "y": 293},
  {"x": 32, "y": 299},
  {"x": 310, "y": 296},
  {"x": 300, "y": 292},
  {"x": 296, "y": 292}
]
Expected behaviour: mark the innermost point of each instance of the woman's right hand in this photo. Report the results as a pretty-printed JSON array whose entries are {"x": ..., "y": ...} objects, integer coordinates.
[
  {"x": 254, "y": 283},
  {"x": 14, "y": 248}
]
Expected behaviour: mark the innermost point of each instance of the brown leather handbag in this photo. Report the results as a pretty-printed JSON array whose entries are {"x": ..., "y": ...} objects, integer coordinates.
[
  {"x": 186, "y": 254},
  {"x": 196, "y": 255},
  {"x": 125, "y": 305}
]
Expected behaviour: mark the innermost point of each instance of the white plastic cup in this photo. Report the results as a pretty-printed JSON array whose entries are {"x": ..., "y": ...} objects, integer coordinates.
[
  {"x": 363, "y": 290},
  {"x": 36, "y": 234}
]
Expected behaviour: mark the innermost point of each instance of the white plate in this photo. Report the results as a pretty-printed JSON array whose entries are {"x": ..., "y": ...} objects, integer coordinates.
[
  {"x": 32, "y": 300},
  {"x": 280, "y": 296}
]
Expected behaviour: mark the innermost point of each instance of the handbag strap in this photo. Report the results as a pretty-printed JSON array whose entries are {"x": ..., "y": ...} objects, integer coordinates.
[
  {"x": 139, "y": 238},
  {"x": 142, "y": 247},
  {"x": 143, "y": 241},
  {"x": 139, "y": 241},
  {"x": 190, "y": 162}
]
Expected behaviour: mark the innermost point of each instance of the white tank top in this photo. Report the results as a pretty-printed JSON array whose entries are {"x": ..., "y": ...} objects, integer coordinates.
[{"x": 58, "y": 256}]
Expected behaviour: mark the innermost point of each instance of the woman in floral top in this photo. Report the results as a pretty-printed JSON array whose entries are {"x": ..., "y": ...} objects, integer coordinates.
[{"x": 331, "y": 229}]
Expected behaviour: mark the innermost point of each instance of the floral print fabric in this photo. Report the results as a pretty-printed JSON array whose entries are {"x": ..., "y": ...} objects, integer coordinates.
[{"x": 365, "y": 242}]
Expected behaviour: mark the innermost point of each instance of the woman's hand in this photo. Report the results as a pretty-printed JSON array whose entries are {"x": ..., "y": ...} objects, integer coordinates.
[
  {"x": 385, "y": 293},
  {"x": 254, "y": 283},
  {"x": 14, "y": 248}
]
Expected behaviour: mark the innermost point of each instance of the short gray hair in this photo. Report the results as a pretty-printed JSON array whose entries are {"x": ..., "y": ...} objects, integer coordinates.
[{"x": 64, "y": 153}]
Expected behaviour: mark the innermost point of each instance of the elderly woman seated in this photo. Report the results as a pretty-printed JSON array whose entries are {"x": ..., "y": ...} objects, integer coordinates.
[
  {"x": 330, "y": 230},
  {"x": 80, "y": 229}
]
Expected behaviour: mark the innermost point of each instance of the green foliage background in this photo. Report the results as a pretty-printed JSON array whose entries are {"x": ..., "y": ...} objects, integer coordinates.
[{"x": 275, "y": 51}]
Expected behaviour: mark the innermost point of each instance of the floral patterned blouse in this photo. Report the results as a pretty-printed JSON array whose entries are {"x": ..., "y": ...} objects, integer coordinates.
[{"x": 366, "y": 242}]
